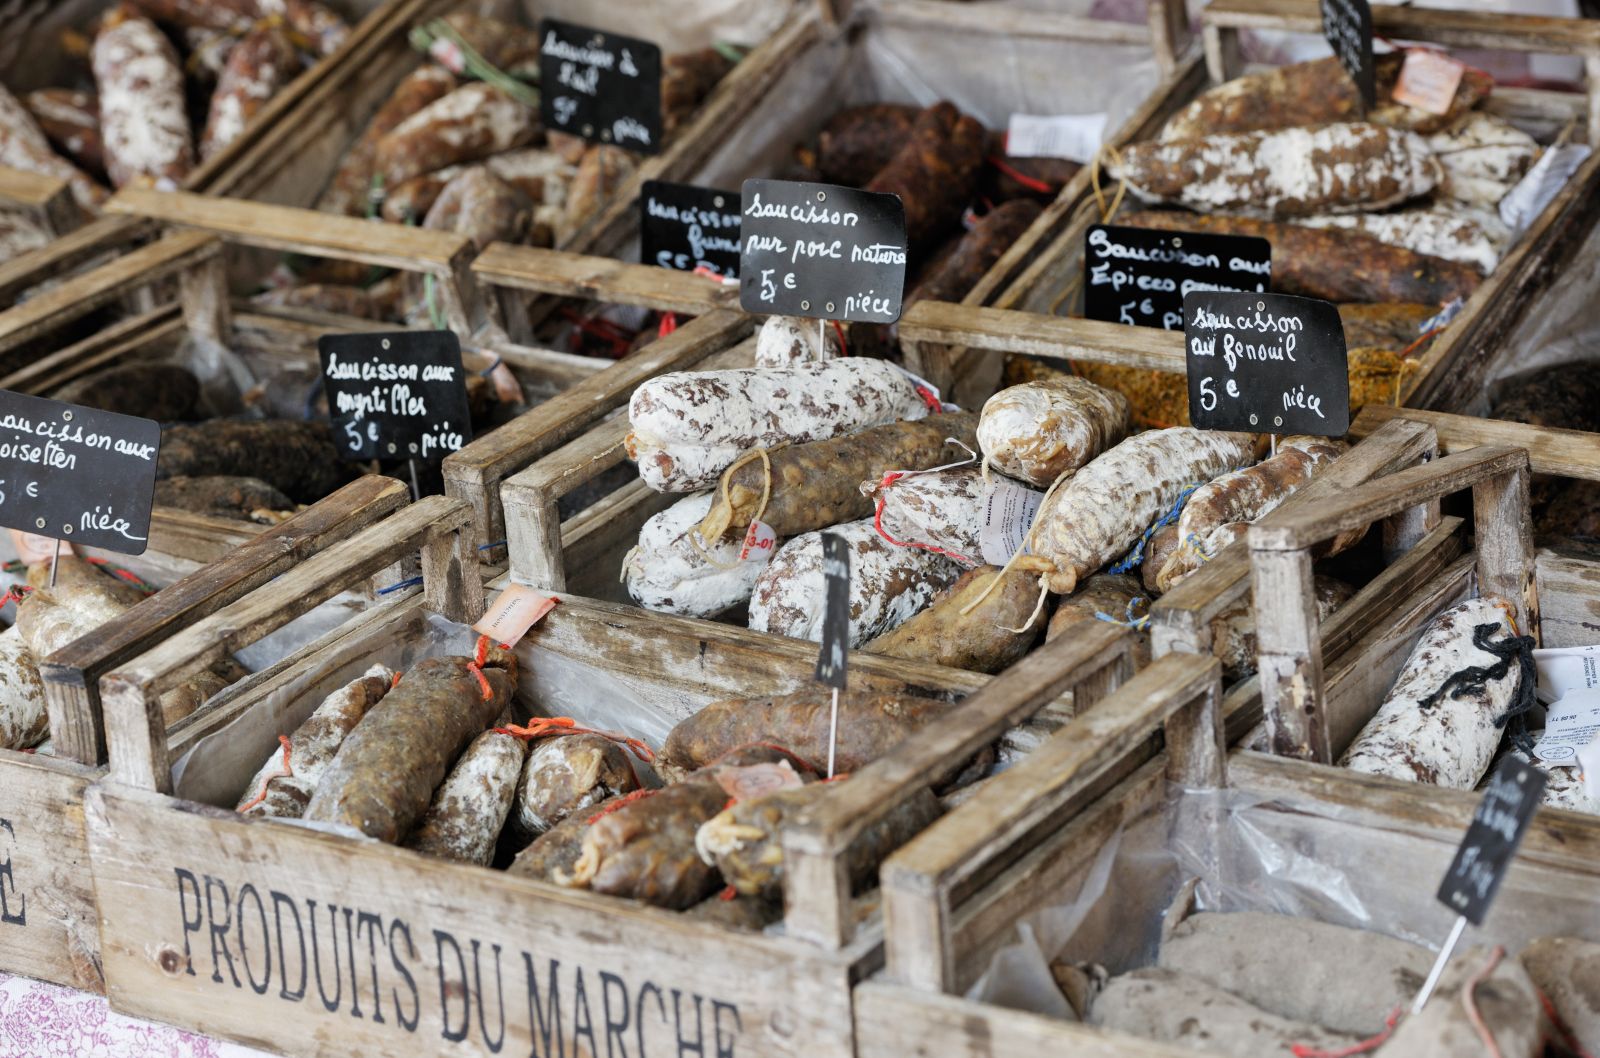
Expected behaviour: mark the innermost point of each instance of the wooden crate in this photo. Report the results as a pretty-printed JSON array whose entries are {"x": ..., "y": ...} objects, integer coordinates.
[
  {"x": 1466, "y": 354},
  {"x": 1032, "y": 838},
  {"x": 43, "y": 199},
  {"x": 48, "y": 921},
  {"x": 783, "y": 993}
]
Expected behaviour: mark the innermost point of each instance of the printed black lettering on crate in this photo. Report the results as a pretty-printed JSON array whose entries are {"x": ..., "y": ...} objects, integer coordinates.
[
  {"x": 396, "y": 395},
  {"x": 685, "y": 227},
  {"x": 13, "y": 905},
  {"x": 353, "y": 962},
  {"x": 601, "y": 86},
  {"x": 1266, "y": 363},
  {"x": 77, "y": 474},
  {"x": 822, "y": 251},
  {"x": 1139, "y": 277}
]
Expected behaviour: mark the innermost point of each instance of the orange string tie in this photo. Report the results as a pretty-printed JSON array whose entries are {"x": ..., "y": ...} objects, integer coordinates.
[
  {"x": 1301, "y": 1050},
  {"x": 1032, "y": 183},
  {"x": 669, "y": 323},
  {"x": 728, "y": 893},
  {"x": 395, "y": 682},
  {"x": 483, "y": 681},
  {"x": 889, "y": 478},
  {"x": 556, "y": 726},
  {"x": 1469, "y": 1001},
  {"x": 622, "y": 802},
  {"x": 838, "y": 332},
  {"x": 262, "y": 796},
  {"x": 1568, "y": 1040}
]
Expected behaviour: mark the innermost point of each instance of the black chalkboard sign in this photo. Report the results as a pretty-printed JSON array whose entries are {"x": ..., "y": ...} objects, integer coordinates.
[
  {"x": 1492, "y": 839},
  {"x": 833, "y": 658},
  {"x": 685, "y": 227},
  {"x": 1139, "y": 276},
  {"x": 821, "y": 250},
  {"x": 77, "y": 474},
  {"x": 601, "y": 86},
  {"x": 1348, "y": 26},
  {"x": 396, "y": 395},
  {"x": 1266, "y": 363}
]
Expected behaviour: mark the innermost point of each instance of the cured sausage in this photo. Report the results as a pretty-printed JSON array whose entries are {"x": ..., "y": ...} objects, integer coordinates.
[
  {"x": 687, "y": 78},
  {"x": 1157, "y": 550},
  {"x": 257, "y": 68},
  {"x": 1118, "y": 596},
  {"x": 645, "y": 850},
  {"x": 471, "y": 122},
  {"x": 601, "y": 174},
  {"x": 935, "y": 172},
  {"x": 871, "y": 723},
  {"x": 341, "y": 299},
  {"x": 283, "y": 794},
  {"x": 858, "y": 142},
  {"x": 1389, "y": 325},
  {"x": 554, "y": 853},
  {"x": 1294, "y": 172},
  {"x": 233, "y": 497},
  {"x": 24, "y": 717},
  {"x": 1040, "y": 430},
  {"x": 787, "y": 340},
  {"x": 567, "y": 775},
  {"x": 293, "y": 456},
  {"x": 745, "y": 840},
  {"x": 506, "y": 46},
  {"x": 888, "y": 585},
  {"x": 1233, "y": 632},
  {"x": 941, "y": 511},
  {"x": 384, "y": 777},
  {"x": 1435, "y": 729},
  {"x": 1563, "y": 397},
  {"x": 70, "y": 119},
  {"x": 1448, "y": 1026},
  {"x": 976, "y": 252},
  {"x": 351, "y": 185},
  {"x": 984, "y": 639},
  {"x": 482, "y": 207},
  {"x": 1483, "y": 158},
  {"x": 811, "y": 486},
  {"x": 1100, "y": 512},
  {"x": 1242, "y": 496},
  {"x": 689, "y": 426},
  {"x": 471, "y": 806},
  {"x": 1168, "y": 1007},
  {"x": 670, "y": 571},
  {"x": 23, "y": 146},
  {"x": 1567, "y": 970},
  {"x": 1333, "y": 265},
  {"x": 320, "y": 24},
  {"x": 144, "y": 122},
  {"x": 1470, "y": 237},
  {"x": 163, "y": 392}
]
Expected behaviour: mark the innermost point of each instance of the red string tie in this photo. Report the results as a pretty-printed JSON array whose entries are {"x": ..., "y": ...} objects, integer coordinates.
[
  {"x": 262, "y": 796},
  {"x": 621, "y": 802}
]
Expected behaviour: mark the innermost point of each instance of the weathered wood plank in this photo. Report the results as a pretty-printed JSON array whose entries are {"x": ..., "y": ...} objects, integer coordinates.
[{"x": 601, "y": 279}]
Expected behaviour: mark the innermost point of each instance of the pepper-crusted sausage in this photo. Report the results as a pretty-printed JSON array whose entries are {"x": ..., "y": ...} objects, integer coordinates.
[
  {"x": 311, "y": 748},
  {"x": 689, "y": 426},
  {"x": 811, "y": 486},
  {"x": 144, "y": 121},
  {"x": 1285, "y": 173},
  {"x": 1100, "y": 511},
  {"x": 1332, "y": 265},
  {"x": 384, "y": 777},
  {"x": 935, "y": 172},
  {"x": 1040, "y": 430}
]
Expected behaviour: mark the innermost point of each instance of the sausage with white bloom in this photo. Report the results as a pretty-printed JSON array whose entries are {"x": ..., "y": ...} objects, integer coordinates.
[{"x": 1040, "y": 430}]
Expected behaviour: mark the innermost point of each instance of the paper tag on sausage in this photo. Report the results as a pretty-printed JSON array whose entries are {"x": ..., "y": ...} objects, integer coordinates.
[
  {"x": 1075, "y": 137},
  {"x": 31, "y": 547},
  {"x": 759, "y": 543},
  {"x": 1543, "y": 182},
  {"x": 1428, "y": 80},
  {"x": 447, "y": 54},
  {"x": 512, "y": 613},
  {"x": 757, "y": 780},
  {"x": 1589, "y": 761},
  {"x": 1569, "y": 725},
  {"x": 1563, "y": 670},
  {"x": 1008, "y": 511}
]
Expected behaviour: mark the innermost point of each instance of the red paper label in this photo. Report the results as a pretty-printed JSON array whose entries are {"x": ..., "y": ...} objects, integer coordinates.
[
  {"x": 1428, "y": 81},
  {"x": 512, "y": 613}
]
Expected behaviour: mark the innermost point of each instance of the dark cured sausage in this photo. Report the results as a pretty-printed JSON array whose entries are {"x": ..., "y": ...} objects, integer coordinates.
[
  {"x": 645, "y": 850},
  {"x": 935, "y": 172},
  {"x": 163, "y": 392},
  {"x": 976, "y": 252},
  {"x": 687, "y": 77},
  {"x": 295, "y": 457},
  {"x": 234, "y": 497},
  {"x": 386, "y": 772},
  {"x": 857, "y": 142},
  {"x": 1332, "y": 265}
]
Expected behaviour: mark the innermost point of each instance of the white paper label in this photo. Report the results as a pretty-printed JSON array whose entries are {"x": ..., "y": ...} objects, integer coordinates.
[
  {"x": 1428, "y": 81},
  {"x": 1563, "y": 670},
  {"x": 1008, "y": 510},
  {"x": 1589, "y": 761},
  {"x": 1548, "y": 175},
  {"x": 759, "y": 543},
  {"x": 1569, "y": 725},
  {"x": 447, "y": 54},
  {"x": 1075, "y": 137}
]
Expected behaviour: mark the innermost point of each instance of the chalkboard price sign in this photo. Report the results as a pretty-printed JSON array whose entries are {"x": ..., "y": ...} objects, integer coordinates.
[
  {"x": 602, "y": 86},
  {"x": 396, "y": 395},
  {"x": 1492, "y": 838},
  {"x": 1266, "y": 363},
  {"x": 684, "y": 227},
  {"x": 77, "y": 474},
  {"x": 822, "y": 251},
  {"x": 1348, "y": 26},
  {"x": 1138, "y": 276},
  {"x": 832, "y": 659}
]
